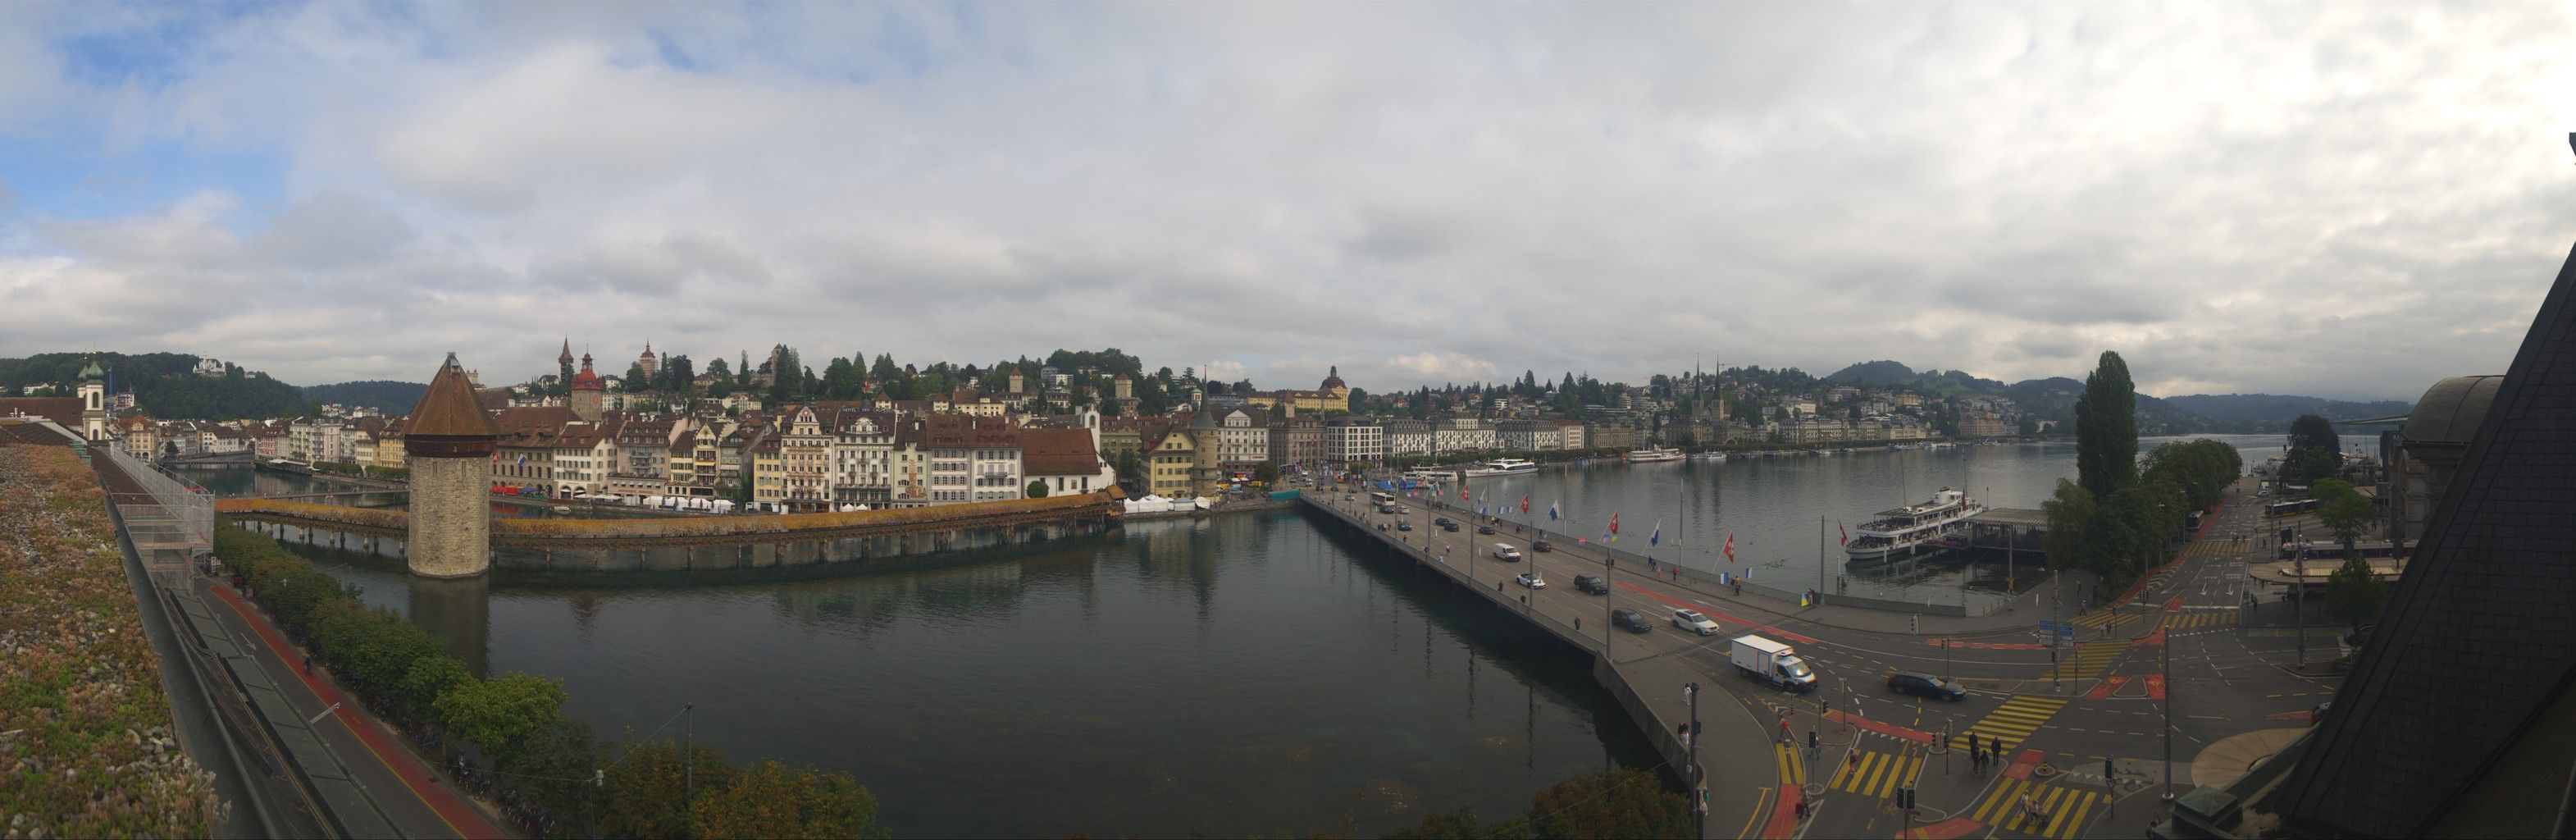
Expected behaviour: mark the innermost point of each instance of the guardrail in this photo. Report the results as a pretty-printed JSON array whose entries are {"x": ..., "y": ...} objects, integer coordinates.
[{"x": 167, "y": 512}]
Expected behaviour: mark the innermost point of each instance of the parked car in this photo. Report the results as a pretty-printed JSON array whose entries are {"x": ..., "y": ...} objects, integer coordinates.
[
  {"x": 1594, "y": 584},
  {"x": 1630, "y": 621},
  {"x": 1692, "y": 621},
  {"x": 1404, "y": 524},
  {"x": 1531, "y": 580},
  {"x": 1484, "y": 529},
  {"x": 1542, "y": 546},
  {"x": 1910, "y": 682}
]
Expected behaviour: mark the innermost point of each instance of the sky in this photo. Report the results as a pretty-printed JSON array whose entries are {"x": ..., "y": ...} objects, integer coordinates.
[{"x": 2335, "y": 200}]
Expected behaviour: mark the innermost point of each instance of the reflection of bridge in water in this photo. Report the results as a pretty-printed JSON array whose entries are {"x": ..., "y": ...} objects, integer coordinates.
[{"x": 332, "y": 494}]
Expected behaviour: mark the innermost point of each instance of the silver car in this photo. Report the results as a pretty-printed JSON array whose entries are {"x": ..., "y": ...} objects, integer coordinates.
[{"x": 1531, "y": 580}]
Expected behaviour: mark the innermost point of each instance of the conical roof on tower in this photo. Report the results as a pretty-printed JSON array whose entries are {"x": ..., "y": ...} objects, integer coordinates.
[
  {"x": 448, "y": 408},
  {"x": 566, "y": 358}
]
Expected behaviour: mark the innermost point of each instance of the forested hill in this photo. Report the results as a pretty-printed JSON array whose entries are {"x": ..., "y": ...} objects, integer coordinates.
[
  {"x": 392, "y": 398},
  {"x": 2273, "y": 412},
  {"x": 165, "y": 385}
]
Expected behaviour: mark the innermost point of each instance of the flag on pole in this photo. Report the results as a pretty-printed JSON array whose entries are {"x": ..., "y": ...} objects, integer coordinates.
[
  {"x": 1730, "y": 546},
  {"x": 1656, "y": 538},
  {"x": 1525, "y": 503},
  {"x": 1462, "y": 492},
  {"x": 1846, "y": 533},
  {"x": 1551, "y": 511},
  {"x": 1614, "y": 523}
]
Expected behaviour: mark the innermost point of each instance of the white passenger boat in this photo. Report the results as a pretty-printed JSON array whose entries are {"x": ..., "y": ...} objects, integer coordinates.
[
  {"x": 1653, "y": 455},
  {"x": 1500, "y": 466},
  {"x": 1904, "y": 530}
]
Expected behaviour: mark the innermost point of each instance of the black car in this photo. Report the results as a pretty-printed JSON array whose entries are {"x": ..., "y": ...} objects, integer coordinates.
[
  {"x": 1630, "y": 621},
  {"x": 1592, "y": 583},
  {"x": 1442, "y": 522},
  {"x": 2359, "y": 636},
  {"x": 1542, "y": 546},
  {"x": 1450, "y": 527},
  {"x": 1404, "y": 524},
  {"x": 1484, "y": 529},
  {"x": 1908, "y": 682}
]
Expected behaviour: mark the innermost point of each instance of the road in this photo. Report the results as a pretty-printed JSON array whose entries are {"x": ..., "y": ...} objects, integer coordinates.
[{"x": 2060, "y": 711}]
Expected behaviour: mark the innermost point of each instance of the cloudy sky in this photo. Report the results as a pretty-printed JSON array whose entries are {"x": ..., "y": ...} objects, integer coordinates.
[{"x": 2344, "y": 201}]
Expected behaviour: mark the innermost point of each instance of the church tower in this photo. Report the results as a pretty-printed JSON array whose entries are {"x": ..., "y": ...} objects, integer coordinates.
[
  {"x": 450, "y": 442},
  {"x": 565, "y": 361},
  {"x": 1205, "y": 476},
  {"x": 93, "y": 396},
  {"x": 649, "y": 365},
  {"x": 586, "y": 392}
]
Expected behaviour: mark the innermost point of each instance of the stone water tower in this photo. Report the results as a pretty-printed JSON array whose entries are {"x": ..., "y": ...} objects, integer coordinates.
[{"x": 450, "y": 442}]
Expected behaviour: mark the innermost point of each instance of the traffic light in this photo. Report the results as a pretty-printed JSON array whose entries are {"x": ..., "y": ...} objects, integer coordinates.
[{"x": 1905, "y": 798}]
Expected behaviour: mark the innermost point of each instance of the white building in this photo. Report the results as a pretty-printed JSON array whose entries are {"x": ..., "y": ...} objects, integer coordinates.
[
  {"x": 1462, "y": 434},
  {"x": 863, "y": 458},
  {"x": 1351, "y": 440}
]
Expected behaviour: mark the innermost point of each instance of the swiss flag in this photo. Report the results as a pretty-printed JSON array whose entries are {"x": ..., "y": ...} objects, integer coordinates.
[
  {"x": 1614, "y": 523},
  {"x": 1730, "y": 546},
  {"x": 1462, "y": 491},
  {"x": 1846, "y": 532},
  {"x": 1524, "y": 503}
]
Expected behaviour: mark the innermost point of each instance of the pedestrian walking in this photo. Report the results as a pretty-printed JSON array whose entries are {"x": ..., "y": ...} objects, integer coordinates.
[
  {"x": 1972, "y": 742},
  {"x": 1851, "y": 763},
  {"x": 308, "y": 664}
]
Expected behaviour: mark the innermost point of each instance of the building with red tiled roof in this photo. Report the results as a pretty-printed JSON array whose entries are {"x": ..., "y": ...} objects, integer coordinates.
[{"x": 1065, "y": 460}]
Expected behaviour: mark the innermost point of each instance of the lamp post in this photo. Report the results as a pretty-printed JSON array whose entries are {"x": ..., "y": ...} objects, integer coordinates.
[{"x": 2168, "y": 796}]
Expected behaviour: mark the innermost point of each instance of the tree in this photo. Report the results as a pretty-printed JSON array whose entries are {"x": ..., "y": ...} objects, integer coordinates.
[
  {"x": 2342, "y": 510},
  {"x": 2354, "y": 594},
  {"x": 2315, "y": 451},
  {"x": 1625, "y": 802},
  {"x": 2070, "y": 511},
  {"x": 2106, "y": 428},
  {"x": 769, "y": 799},
  {"x": 1267, "y": 473},
  {"x": 1037, "y": 488},
  {"x": 1460, "y": 824},
  {"x": 646, "y": 790},
  {"x": 635, "y": 379},
  {"x": 429, "y": 677},
  {"x": 499, "y": 714}
]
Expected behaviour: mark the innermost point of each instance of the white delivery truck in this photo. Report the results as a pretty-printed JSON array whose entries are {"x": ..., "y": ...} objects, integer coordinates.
[{"x": 1758, "y": 658}]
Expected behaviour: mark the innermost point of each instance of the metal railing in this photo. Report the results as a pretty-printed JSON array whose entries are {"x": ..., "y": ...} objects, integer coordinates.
[{"x": 169, "y": 512}]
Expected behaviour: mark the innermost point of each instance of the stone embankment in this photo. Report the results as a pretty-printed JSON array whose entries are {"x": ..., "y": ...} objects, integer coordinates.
[{"x": 85, "y": 730}]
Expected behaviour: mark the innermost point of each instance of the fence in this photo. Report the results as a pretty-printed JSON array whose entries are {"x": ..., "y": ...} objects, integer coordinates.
[{"x": 160, "y": 511}]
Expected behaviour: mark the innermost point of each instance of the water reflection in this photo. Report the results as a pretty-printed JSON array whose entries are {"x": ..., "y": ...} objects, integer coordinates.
[{"x": 459, "y": 613}]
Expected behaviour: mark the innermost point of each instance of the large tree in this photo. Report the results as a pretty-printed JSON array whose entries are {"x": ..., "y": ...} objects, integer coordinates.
[
  {"x": 2070, "y": 510},
  {"x": 2355, "y": 595},
  {"x": 2106, "y": 428},
  {"x": 2315, "y": 451},
  {"x": 2342, "y": 510}
]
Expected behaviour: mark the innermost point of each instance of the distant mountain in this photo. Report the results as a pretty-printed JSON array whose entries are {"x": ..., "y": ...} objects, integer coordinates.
[
  {"x": 2051, "y": 399},
  {"x": 392, "y": 398},
  {"x": 2257, "y": 413},
  {"x": 165, "y": 385}
]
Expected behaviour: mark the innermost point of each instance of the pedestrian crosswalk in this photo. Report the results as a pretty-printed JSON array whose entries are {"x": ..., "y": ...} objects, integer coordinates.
[
  {"x": 2016, "y": 719},
  {"x": 2102, "y": 619},
  {"x": 2217, "y": 548},
  {"x": 2084, "y": 661},
  {"x": 2062, "y": 810},
  {"x": 1877, "y": 774},
  {"x": 1793, "y": 765},
  {"x": 2199, "y": 619}
]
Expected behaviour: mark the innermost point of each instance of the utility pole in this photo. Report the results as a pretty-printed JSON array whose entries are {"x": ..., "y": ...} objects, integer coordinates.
[
  {"x": 689, "y": 757},
  {"x": 2168, "y": 796},
  {"x": 1699, "y": 783},
  {"x": 2299, "y": 594},
  {"x": 1609, "y": 628}
]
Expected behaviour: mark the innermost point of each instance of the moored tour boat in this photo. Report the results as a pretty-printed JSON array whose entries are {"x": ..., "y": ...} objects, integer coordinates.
[
  {"x": 1908, "y": 529},
  {"x": 1499, "y": 466},
  {"x": 1653, "y": 454}
]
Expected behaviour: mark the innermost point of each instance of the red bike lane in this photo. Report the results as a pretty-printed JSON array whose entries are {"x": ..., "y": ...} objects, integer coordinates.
[{"x": 460, "y": 815}]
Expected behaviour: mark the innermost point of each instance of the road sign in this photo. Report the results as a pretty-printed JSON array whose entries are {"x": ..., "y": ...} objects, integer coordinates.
[
  {"x": 2047, "y": 626},
  {"x": 2066, "y": 631}
]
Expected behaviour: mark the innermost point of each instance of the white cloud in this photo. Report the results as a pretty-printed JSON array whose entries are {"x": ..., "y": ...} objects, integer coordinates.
[{"x": 2341, "y": 200}]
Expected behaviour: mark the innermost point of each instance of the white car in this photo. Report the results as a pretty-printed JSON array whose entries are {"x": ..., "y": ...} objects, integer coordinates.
[
  {"x": 1692, "y": 621},
  {"x": 1531, "y": 580}
]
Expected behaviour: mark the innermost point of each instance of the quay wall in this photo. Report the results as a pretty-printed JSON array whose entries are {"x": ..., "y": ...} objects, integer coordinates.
[
  {"x": 873, "y": 539},
  {"x": 1659, "y": 731}
]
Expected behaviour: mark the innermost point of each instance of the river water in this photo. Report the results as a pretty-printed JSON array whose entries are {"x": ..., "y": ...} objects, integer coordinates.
[{"x": 1249, "y": 674}]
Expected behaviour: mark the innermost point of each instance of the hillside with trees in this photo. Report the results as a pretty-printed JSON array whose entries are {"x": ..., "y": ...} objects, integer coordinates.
[
  {"x": 165, "y": 385},
  {"x": 390, "y": 397}
]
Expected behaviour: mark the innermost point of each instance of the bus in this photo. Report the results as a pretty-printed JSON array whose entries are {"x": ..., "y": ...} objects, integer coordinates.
[
  {"x": 1381, "y": 498},
  {"x": 2331, "y": 550},
  {"x": 2294, "y": 507}
]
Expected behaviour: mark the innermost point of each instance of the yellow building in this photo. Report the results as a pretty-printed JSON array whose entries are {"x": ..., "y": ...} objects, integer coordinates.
[
  {"x": 1330, "y": 396},
  {"x": 1173, "y": 455}
]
